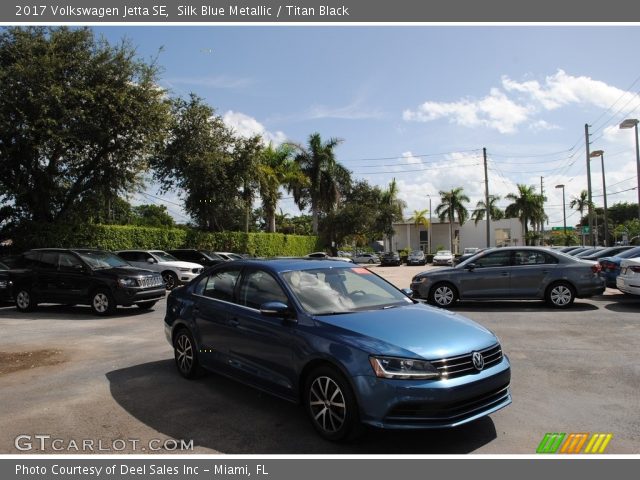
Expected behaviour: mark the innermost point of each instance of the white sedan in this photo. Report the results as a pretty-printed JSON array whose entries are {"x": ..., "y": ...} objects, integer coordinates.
[
  {"x": 443, "y": 257},
  {"x": 629, "y": 279}
]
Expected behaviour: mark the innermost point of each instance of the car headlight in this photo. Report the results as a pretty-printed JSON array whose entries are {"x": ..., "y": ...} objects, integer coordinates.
[
  {"x": 127, "y": 282},
  {"x": 184, "y": 269},
  {"x": 403, "y": 368}
]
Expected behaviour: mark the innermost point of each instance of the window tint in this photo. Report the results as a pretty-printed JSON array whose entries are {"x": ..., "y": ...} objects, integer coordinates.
[
  {"x": 129, "y": 256},
  {"x": 494, "y": 259},
  {"x": 259, "y": 287},
  {"x": 69, "y": 262},
  {"x": 48, "y": 260},
  {"x": 530, "y": 257},
  {"x": 220, "y": 285}
]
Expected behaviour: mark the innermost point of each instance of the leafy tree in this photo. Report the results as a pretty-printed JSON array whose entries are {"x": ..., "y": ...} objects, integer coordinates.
[
  {"x": 527, "y": 206},
  {"x": 419, "y": 217},
  {"x": 452, "y": 206},
  {"x": 481, "y": 209},
  {"x": 390, "y": 210},
  {"x": 152, "y": 216},
  {"x": 199, "y": 160},
  {"x": 581, "y": 203},
  {"x": 327, "y": 179},
  {"x": 78, "y": 118}
]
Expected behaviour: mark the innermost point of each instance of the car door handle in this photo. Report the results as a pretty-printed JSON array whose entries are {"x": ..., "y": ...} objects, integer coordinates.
[
  {"x": 504, "y": 274},
  {"x": 234, "y": 322}
]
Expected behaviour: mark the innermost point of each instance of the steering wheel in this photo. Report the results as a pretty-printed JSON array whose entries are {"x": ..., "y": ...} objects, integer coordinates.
[{"x": 358, "y": 292}]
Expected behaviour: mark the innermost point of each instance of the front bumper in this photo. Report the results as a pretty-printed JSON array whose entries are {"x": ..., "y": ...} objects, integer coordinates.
[
  {"x": 131, "y": 296},
  {"x": 186, "y": 277},
  {"x": 425, "y": 404}
]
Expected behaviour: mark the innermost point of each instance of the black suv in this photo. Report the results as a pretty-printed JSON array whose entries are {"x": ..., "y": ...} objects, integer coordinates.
[
  {"x": 91, "y": 277},
  {"x": 5, "y": 283},
  {"x": 390, "y": 258},
  {"x": 206, "y": 259}
]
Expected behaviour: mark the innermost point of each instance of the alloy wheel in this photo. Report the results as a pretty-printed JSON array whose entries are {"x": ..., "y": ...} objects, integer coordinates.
[
  {"x": 561, "y": 295},
  {"x": 184, "y": 353},
  {"x": 327, "y": 404},
  {"x": 23, "y": 300},
  {"x": 100, "y": 302},
  {"x": 443, "y": 295}
]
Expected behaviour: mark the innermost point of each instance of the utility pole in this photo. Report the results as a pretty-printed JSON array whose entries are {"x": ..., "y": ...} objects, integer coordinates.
[
  {"x": 542, "y": 222},
  {"x": 586, "y": 140},
  {"x": 486, "y": 197}
]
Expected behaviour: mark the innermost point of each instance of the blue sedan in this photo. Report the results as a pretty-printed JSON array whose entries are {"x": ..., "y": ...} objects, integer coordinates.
[
  {"x": 340, "y": 340},
  {"x": 611, "y": 265}
]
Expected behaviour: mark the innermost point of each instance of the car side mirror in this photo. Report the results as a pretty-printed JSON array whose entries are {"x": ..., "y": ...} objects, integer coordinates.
[
  {"x": 150, "y": 260},
  {"x": 275, "y": 310},
  {"x": 471, "y": 267},
  {"x": 407, "y": 291}
]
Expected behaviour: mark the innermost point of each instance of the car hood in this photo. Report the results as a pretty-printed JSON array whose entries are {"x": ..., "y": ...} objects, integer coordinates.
[{"x": 415, "y": 331}]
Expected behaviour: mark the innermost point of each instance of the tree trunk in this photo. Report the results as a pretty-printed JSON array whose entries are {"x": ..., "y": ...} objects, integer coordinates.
[{"x": 314, "y": 220}]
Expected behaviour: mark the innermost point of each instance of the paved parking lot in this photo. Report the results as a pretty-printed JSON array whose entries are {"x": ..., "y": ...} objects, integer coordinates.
[{"x": 84, "y": 377}]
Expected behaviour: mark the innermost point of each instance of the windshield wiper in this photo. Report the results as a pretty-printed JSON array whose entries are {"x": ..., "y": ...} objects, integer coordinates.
[{"x": 333, "y": 313}]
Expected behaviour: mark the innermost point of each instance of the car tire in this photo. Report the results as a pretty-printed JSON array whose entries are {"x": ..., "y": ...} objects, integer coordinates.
[
  {"x": 371, "y": 261},
  {"x": 24, "y": 300},
  {"x": 186, "y": 355},
  {"x": 443, "y": 295},
  {"x": 331, "y": 405},
  {"x": 560, "y": 295},
  {"x": 146, "y": 305},
  {"x": 170, "y": 280},
  {"x": 102, "y": 302}
]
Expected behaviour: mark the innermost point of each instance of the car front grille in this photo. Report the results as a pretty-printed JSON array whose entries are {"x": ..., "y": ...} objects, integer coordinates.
[
  {"x": 446, "y": 413},
  {"x": 454, "y": 367},
  {"x": 153, "y": 281}
]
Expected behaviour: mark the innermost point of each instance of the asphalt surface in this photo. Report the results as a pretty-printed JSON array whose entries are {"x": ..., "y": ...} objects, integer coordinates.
[{"x": 112, "y": 381}]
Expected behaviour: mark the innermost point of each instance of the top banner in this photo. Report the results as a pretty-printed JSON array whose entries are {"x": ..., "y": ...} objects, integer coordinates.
[{"x": 316, "y": 11}]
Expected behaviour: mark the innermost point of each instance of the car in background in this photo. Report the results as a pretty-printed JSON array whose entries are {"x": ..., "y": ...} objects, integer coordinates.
[
  {"x": 338, "y": 339},
  {"x": 604, "y": 252},
  {"x": 512, "y": 273},
  {"x": 201, "y": 257},
  {"x": 82, "y": 276},
  {"x": 370, "y": 258},
  {"x": 326, "y": 256},
  {"x": 611, "y": 265},
  {"x": 468, "y": 255},
  {"x": 590, "y": 251},
  {"x": 575, "y": 251},
  {"x": 567, "y": 249},
  {"x": 629, "y": 279},
  {"x": 228, "y": 256},
  {"x": 5, "y": 284},
  {"x": 173, "y": 271},
  {"x": 390, "y": 258},
  {"x": 443, "y": 257},
  {"x": 416, "y": 257}
]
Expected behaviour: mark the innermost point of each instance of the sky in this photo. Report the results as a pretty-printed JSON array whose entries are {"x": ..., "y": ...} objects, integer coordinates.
[{"x": 419, "y": 103}]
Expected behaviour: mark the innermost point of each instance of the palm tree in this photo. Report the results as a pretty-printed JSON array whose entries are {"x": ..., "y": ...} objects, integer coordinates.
[
  {"x": 276, "y": 169},
  {"x": 481, "y": 209},
  {"x": 452, "y": 205},
  {"x": 391, "y": 210},
  {"x": 418, "y": 218},
  {"x": 327, "y": 179},
  {"x": 527, "y": 206},
  {"x": 580, "y": 203}
]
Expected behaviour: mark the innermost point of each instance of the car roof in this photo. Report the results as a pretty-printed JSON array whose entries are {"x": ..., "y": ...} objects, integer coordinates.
[{"x": 289, "y": 264}]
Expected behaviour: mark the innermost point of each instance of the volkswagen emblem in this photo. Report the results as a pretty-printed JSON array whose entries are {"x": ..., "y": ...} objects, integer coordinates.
[{"x": 478, "y": 360}]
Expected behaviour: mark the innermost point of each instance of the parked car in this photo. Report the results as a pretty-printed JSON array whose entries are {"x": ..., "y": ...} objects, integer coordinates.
[
  {"x": 348, "y": 345},
  {"x": 229, "y": 256},
  {"x": 611, "y": 265},
  {"x": 629, "y": 279},
  {"x": 82, "y": 276},
  {"x": 575, "y": 251},
  {"x": 174, "y": 272},
  {"x": 5, "y": 284},
  {"x": 517, "y": 273},
  {"x": 568, "y": 249},
  {"x": 468, "y": 255},
  {"x": 604, "y": 252},
  {"x": 366, "y": 258},
  {"x": 326, "y": 256},
  {"x": 443, "y": 257},
  {"x": 201, "y": 257},
  {"x": 588, "y": 252},
  {"x": 417, "y": 257},
  {"x": 390, "y": 258}
]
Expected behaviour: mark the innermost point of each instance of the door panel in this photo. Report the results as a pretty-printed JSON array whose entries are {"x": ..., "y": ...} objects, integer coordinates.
[
  {"x": 72, "y": 279},
  {"x": 489, "y": 279},
  {"x": 531, "y": 273}
]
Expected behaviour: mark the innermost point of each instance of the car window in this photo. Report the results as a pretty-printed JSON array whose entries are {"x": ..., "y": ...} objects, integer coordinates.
[
  {"x": 129, "y": 256},
  {"x": 69, "y": 262},
  {"x": 48, "y": 260},
  {"x": 220, "y": 285},
  {"x": 494, "y": 259},
  {"x": 259, "y": 287},
  {"x": 531, "y": 257}
]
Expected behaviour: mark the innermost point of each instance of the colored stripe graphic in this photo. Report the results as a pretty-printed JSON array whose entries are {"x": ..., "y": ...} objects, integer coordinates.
[
  {"x": 550, "y": 442},
  {"x": 598, "y": 443},
  {"x": 574, "y": 442}
]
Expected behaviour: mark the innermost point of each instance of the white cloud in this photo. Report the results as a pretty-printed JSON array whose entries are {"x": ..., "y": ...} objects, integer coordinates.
[
  {"x": 353, "y": 111},
  {"x": 495, "y": 111},
  {"x": 410, "y": 159},
  {"x": 247, "y": 126},
  {"x": 541, "y": 125}
]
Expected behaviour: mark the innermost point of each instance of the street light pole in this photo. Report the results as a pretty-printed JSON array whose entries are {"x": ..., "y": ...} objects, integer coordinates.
[
  {"x": 600, "y": 153},
  {"x": 564, "y": 214},
  {"x": 429, "y": 239},
  {"x": 633, "y": 123}
]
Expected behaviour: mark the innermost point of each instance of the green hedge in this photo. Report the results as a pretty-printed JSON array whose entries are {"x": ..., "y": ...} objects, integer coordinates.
[{"x": 120, "y": 237}]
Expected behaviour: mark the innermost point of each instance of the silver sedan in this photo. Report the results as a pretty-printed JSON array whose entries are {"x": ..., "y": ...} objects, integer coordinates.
[{"x": 512, "y": 273}]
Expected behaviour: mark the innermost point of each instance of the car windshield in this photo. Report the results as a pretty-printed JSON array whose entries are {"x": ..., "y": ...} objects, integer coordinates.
[
  {"x": 443, "y": 252},
  {"x": 329, "y": 291},
  {"x": 416, "y": 253},
  {"x": 97, "y": 259},
  {"x": 3, "y": 266},
  {"x": 164, "y": 256}
]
